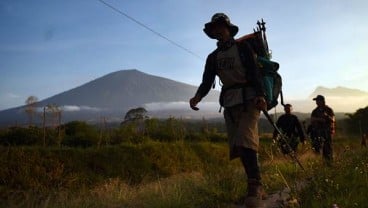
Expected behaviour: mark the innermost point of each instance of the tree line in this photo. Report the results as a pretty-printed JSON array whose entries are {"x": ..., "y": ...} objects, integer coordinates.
[{"x": 136, "y": 127}]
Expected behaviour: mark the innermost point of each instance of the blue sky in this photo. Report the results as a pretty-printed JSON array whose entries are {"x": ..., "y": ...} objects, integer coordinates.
[{"x": 49, "y": 46}]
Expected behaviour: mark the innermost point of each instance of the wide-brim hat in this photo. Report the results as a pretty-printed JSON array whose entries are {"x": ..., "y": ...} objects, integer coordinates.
[
  {"x": 319, "y": 97},
  {"x": 217, "y": 19}
]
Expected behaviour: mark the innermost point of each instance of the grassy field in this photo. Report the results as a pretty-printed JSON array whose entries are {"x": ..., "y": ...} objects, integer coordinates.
[{"x": 174, "y": 174}]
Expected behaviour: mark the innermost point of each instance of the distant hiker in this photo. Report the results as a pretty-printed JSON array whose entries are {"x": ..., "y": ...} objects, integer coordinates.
[
  {"x": 364, "y": 139},
  {"x": 242, "y": 96},
  {"x": 290, "y": 126},
  {"x": 323, "y": 128}
]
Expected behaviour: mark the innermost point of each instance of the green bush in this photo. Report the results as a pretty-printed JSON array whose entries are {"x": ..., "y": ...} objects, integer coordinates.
[
  {"x": 22, "y": 136},
  {"x": 130, "y": 132},
  {"x": 80, "y": 134},
  {"x": 167, "y": 130}
]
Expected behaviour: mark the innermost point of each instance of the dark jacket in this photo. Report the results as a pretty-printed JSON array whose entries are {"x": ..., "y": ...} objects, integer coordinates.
[
  {"x": 326, "y": 117},
  {"x": 248, "y": 59},
  {"x": 290, "y": 125}
]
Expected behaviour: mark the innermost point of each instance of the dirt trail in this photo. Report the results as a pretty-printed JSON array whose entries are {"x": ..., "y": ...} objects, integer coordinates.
[{"x": 281, "y": 199}]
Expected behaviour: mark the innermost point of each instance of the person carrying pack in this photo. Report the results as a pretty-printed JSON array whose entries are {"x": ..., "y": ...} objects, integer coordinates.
[
  {"x": 291, "y": 127},
  {"x": 323, "y": 125},
  {"x": 242, "y": 96},
  {"x": 271, "y": 81}
]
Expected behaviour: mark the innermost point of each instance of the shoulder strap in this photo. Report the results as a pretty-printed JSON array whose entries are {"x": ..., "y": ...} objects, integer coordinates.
[{"x": 245, "y": 53}]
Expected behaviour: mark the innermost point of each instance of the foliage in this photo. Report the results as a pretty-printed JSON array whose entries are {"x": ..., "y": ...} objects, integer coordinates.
[
  {"x": 171, "y": 174},
  {"x": 52, "y": 114},
  {"x": 170, "y": 129},
  {"x": 80, "y": 134},
  {"x": 21, "y": 136},
  {"x": 41, "y": 171},
  {"x": 30, "y": 108},
  {"x": 167, "y": 130},
  {"x": 164, "y": 163},
  {"x": 358, "y": 121},
  {"x": 136, "y": 114},
  {"x": 346, "y": 188}
]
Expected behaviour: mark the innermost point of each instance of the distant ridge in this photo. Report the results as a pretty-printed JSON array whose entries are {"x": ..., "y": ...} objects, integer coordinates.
[
  {"x": 124, "y": 89},
  {"x": 340, "y": 99},
  {"x": 113, "y": 95},
  {"x": 338, "y": 92}
]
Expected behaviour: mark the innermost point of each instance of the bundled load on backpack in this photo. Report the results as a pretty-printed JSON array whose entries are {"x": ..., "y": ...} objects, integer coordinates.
[
  {"x": 272, "y": 81},
  {"x": 271, "y": 78}
]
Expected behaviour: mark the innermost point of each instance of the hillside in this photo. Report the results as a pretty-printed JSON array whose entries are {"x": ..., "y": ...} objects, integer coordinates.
[
  {"x": 112, "y": 95},
  {"x": 340, "y": 99},
  {"x": 338, "y": 92},
  {"x": 124, "y": 89}
]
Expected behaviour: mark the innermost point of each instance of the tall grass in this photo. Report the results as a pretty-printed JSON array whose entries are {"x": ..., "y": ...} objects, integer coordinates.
[
  {"x": 345, "y": 184},
  {"x": 173, "y": 174},
  {"x": 125, "y": 175}
]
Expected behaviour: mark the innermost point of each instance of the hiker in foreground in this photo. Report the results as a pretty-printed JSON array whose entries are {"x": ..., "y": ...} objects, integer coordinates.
[
  {"x": 242, "y": 97},
  {"x": 323, "y": 128},
  {"x": 291, "y": 128}
]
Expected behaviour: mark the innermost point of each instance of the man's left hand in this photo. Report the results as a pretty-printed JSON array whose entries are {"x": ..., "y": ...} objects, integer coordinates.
[{"x": 260, "y": 103}]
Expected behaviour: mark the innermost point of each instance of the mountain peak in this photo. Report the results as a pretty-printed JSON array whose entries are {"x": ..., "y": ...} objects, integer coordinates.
[
  {"x": 338, "y": 92},
  {"x": 114, "y": 94},
  {"x": 124, "y": 72},
  {"x": 127, "y": 71},
  {"x": 124, "y": 89}
]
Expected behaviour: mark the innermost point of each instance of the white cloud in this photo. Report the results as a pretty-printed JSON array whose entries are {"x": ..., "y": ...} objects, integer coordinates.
[
  {"x": 71, "y": 108},
  {"x": 79, "y": 108},
  {"x": 74, "y": 108},
  {"x": 181, "y": 105},
  {"x": 166, "y": 106}
]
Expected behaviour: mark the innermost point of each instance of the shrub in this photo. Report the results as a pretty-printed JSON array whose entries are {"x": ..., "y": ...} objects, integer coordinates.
[
  {"x": 167, "y": 130},
  {"x": 129, "y": 132},
  {"x": 22, "y": 136},
  {"x": 80, "y": 134}
]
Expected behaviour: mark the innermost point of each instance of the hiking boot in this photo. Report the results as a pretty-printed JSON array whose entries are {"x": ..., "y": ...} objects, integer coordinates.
[{"x": 256, "y": 195}]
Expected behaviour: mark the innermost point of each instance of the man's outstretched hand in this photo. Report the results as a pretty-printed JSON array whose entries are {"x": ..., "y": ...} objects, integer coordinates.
[
  {"x": 260, "y": 103},
  {"x": 193, "y": 102}
]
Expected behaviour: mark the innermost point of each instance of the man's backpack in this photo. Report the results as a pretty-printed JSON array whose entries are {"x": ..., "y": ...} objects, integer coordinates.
[{"x": 272, "y": 81}]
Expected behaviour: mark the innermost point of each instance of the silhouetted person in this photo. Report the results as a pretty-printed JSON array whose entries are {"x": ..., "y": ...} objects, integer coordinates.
[
  {"x": 242, "y": 96},
  {"x": 290, "y": 126},
  {"x": 323, "y": 127}
]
